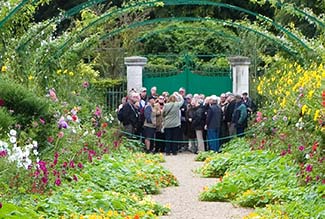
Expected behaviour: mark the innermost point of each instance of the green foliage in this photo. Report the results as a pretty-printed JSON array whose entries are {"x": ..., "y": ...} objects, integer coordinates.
[
  {"x": 11, "y": 211},
  {"x": 254, "y": 178},
  {"x": 6, "y": 120},
  {"x": 25, "y": 105},
  {"x": 115, "y": 182}
]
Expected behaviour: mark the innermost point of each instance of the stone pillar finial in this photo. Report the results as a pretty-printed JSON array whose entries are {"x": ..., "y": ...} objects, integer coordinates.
[
  {"x": 134, "y": 69},
  {"x": 240, "y": 73}
]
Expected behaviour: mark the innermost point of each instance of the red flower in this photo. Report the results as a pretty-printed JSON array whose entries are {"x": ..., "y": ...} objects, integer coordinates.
[
  {"x": 104, "y": 125},
  {"x": 314, "y": 148}
]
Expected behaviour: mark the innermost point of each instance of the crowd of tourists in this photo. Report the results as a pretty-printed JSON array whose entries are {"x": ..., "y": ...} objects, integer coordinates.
[{"x": 176, "y": 122}]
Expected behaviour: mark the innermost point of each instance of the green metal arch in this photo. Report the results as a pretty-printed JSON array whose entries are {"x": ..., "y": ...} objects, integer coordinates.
[
  {"x": 186, "y": 2},
  {"x": 300, "y": 11},
  {"x": 219, "y": 33},
  {"x": 193, "y": 19},
  {"x": 90, "y": 3}
]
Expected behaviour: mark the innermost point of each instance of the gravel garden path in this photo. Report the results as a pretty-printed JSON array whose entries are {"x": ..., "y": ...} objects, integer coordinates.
[{"x": 183, "y": 199}]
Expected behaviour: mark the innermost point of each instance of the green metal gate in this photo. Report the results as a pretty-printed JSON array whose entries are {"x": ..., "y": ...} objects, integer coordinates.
[{"x": 195, "y": 79}]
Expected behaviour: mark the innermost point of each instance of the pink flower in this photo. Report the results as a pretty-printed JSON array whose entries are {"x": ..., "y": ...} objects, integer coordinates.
[
  {"x": 85, "y": 84},
  {"x": 50, "y": 139},
  {"x": 71, "y": 164},
  {"x": 309, "y": 168},
  {"x": 80, "y": 165},
  {"x": 308, "y": 179},
  {"x": 53, "y": 95},
  {"x": 44, "y": 180},
  {"x": 65, "y": 164},
  {"x": 60, "y": 134},
  {"x": 2, "y": 102},
  {"x": 75, "y": 178},
  {"x": 58, "y": 182},
  {"x": 42, "y": 121},
  {"x": 301, "y": 148}
]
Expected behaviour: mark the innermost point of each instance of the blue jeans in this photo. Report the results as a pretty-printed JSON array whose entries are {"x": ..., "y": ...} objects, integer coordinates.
[{"x": 213, "y": 140}]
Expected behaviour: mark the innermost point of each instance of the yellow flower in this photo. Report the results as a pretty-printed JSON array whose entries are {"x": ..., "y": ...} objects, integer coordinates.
[
  {"x": 59, "y": 71},
  {"x": 71, "y": 73},
  {"x": 30, "y": 77},
  {"x": 310, "y": 94},
  {"x": 316, "y": 116},
  {"x": 4, "y": 68},
  {"x": 304, "y": 109}
]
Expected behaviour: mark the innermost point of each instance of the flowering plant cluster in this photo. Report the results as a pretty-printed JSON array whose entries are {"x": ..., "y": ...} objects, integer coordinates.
[
  {"x": 261, "y": 178},
  {"x": 292, "y": 118}
]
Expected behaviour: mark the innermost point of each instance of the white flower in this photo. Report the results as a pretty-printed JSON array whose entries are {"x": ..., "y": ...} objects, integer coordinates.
[
  {"x": 35, "y": 152},
  {"x": 35, "y": 144},
  {"x": 307, "y": 156},
  {"x": 85, "y": 133},
  {"x": 13, "y": 132},
  {"x": 13, "y": 139},
  {"x": 69, "y": 118}
]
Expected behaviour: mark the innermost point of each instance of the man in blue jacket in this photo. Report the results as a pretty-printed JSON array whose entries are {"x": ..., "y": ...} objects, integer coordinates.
[{"x": 213, "y": 123}]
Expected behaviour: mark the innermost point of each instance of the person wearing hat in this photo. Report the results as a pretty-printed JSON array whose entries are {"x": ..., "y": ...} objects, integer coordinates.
[
  {"x": 149, "y": 127},
  {"x": 239, "y": 117}
]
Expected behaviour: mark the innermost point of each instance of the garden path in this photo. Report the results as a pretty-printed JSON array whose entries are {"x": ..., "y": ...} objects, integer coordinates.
[{"x": 183, "y": 199}]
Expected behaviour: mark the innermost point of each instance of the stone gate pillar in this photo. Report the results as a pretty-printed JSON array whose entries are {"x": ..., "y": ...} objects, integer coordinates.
[
  {"x": 134, "y": 67},
  {"x": 240, "y": 74}
]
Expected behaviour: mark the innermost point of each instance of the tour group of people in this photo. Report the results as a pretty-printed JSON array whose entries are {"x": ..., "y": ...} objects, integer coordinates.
[{"x": 172, "y": 123}]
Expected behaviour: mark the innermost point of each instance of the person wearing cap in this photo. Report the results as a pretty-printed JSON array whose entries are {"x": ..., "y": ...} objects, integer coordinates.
[
  {"x": 149, "y": 127},
  {"x": 213, "y": 123},
  {"x": 239, "y": 117},
  {"x": 251, "y": 107}
]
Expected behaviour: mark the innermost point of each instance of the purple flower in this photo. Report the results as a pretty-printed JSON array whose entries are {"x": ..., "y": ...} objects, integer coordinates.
[
  {"x": 309, "y": 168},
  {"x": 301, "y": 148},
  {"x": 62, "y": 123},
  {"x": 75, "y": 178},
  {"x": 0, "y": 205}
]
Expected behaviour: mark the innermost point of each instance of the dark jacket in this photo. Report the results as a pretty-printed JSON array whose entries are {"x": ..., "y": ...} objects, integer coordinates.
[
  {"x": 230, "y": 110},
  {"x": 129, "y": 115},
  {"x": 214, "y": 117},
  {"x": 240, "y": 115},
  {"x": 198, "y": 120}
]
